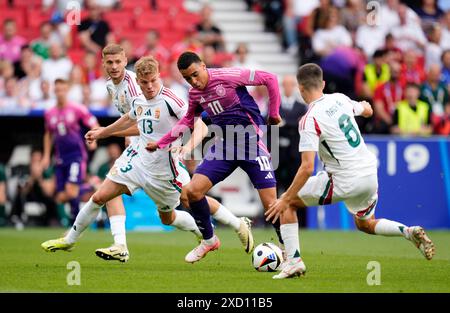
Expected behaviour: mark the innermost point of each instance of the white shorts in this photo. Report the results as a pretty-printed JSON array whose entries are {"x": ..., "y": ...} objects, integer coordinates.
[
  {"x": 360, "y": 194},
  {"x": 129, "y": 171}
]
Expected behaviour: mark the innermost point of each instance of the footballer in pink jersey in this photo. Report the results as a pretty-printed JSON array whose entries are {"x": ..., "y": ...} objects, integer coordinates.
[
  {"x": 222, "y": 93},
  {"x": 63, "y": 131}
]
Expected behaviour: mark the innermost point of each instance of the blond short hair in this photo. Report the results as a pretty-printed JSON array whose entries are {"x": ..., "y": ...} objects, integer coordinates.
[
  {"x": 146, "y": 66},
  {"x": 112, "y": 49}
]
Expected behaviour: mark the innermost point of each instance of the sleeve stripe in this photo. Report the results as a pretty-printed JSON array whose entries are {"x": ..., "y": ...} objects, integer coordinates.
[
  {"x": 131, "y": 86},
  {"x": 252, "y": 75},
  {"x": 171, "y": 95}
]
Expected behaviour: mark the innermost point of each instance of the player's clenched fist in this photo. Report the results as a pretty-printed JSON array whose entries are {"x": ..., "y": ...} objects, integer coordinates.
[
  {"x": 151, "y": 146},
  {"x": 93, "y": 135},
  {"x": 274, "y": 120}
]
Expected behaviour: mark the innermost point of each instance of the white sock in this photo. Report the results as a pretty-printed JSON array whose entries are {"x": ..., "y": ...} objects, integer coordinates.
[
  {"x": 118, "y": 229},
  {"x": 85, "y": 217},
  {"x": 390, "y": 228},
  {"x": 185, "y": 221},
  {"x": 289, "y": 233},
  {"x": 211, "y": 240},
  {"x": 224, "y": 216}
]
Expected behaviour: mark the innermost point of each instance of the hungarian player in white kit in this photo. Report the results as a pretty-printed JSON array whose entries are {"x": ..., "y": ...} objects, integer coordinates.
[
  {"x": 349, "y": 175},
  {"x": 159, "y": 174}
]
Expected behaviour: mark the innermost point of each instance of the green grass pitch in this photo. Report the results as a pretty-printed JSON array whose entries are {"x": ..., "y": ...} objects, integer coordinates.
[{"x": 336, "y": 262}]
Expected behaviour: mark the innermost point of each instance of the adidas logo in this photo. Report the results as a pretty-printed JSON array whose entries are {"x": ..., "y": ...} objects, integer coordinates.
[
  {"x": 202, "y": 100},
  {"x": 269, "y": 176}
]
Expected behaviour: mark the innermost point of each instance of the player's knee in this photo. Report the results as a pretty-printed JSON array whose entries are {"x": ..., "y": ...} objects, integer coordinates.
[
  {"x": 98, "y": 198},
  {"x": 194, "y": 194}
]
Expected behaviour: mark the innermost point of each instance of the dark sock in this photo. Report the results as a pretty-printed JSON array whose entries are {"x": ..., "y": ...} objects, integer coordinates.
[
  {"x": 276, "y": 225},
  {"x": 200, "y": 212}
]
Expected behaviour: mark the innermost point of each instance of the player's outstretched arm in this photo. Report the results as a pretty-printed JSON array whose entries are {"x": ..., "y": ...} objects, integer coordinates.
[
  {"x": 121, "y": 124},
  {"x": 200, "y": 132},
  {"x": 305, "y": 171},
  {"x": 132, "y": 131}
]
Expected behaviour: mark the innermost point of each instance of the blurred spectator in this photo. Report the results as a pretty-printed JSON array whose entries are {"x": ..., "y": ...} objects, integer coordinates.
[
  {"x": 389, "y": 15},
  {"x": 30, "y": 85},
  {"x": 91, "y": 68},
  {"x": 93, "y": 30},
  {"x": 10, "y": 43},
  {"x": 385, "y": 100},
  {"x": 37, "y": 185},
  {"x": 429, "y": 12},
  {"x": 394, "y": 53},
  {"x": 47, "y": 100},
  {"x": 177, "y": 83},
  {"x": 412, "y": 70},
  {"x": 445, "y": 75},
  {"x": 208, "y": 32},
  {"x": 412, "y": 116},
  {"x": 130, "y": 53},
  {"x": 99, "y": 94},
  {"x": 294, "y": 14},
  {"x": 6, "y": 71},
  {"x": 2, "y": 196},
  {"x": 433, "y": 50},
  {"x": 57, "y": 66},
  {"x": 209, "y": 57},
  {"x": 408, "y": 35},
  {"x": 319, "y": 16},
  {"x": 273, "y": 11},
  {"x": 242, "y": 59},
  {"x": 445, "y": 37},
  {"x": 76, "y": 82},
  {"x": 26, "y": 55},
  {"x": 375, "y": 73},
  {"x": 153, "y": 47},
  {"x": 87, "y": 101},
  {"x": 259, "y": 93},
  {"x": 354, "y": 15},
  {"x": 435, "y": 93},
  {"x": 114, "y": 152},
  {"x": 189, "y": 43},
  {"x": 11, "y": 100},
  {"x": 370, "y": 38},
  {"x": 41, "y": 45},
  {"x": 291, "y": 110},
  {"x": 326, "y": 40}
]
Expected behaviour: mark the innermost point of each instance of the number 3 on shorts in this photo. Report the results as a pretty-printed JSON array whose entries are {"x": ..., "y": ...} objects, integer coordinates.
[{"x": 345, "y": 124}]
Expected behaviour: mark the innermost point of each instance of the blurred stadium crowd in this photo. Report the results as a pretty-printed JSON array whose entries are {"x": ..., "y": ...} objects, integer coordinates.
[{"x": 394, "y": 54}]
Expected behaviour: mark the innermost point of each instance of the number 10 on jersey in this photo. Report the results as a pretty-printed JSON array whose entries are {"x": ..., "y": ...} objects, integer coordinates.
[{"x": 215, "y": 107}]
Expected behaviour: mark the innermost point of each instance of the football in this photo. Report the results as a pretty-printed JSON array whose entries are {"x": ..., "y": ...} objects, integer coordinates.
[{"x": 267, "y": 257}]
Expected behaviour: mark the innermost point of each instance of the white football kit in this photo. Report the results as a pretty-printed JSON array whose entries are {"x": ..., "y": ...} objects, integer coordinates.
[
  {"x": 350, "y": 169},
  {"x": 158, "y": 173},
  {"x": 123, "y": 94}
]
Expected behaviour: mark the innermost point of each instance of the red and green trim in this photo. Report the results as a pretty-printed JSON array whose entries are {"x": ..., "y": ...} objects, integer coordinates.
[
  {"x": 328, "y": 193},
  {"x": 176, "y": 184},
  {"x": 173, "y": 168}
]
